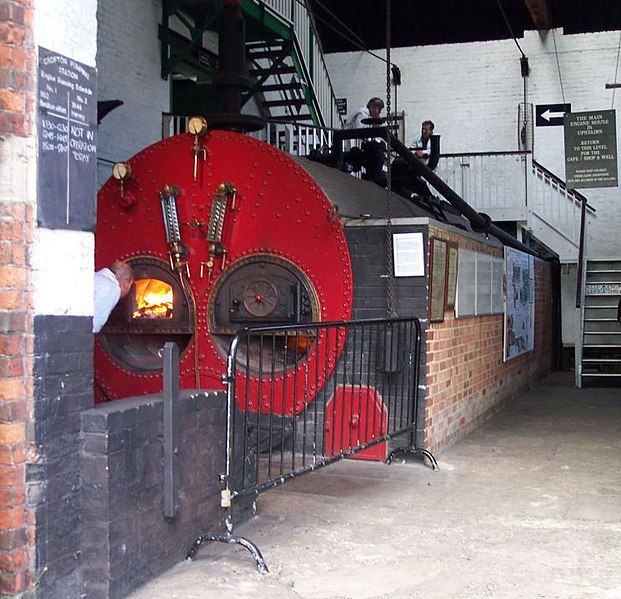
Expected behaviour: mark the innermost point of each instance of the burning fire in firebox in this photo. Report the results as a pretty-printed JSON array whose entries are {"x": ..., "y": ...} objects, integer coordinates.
[{"x": 153, "y": 299}]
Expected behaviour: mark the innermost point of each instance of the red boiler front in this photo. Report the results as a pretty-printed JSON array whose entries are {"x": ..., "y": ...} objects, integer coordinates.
[{"x": 223, "y": 231}]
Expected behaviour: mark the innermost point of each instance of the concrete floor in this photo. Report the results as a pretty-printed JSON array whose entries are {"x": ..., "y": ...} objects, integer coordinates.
[{"x": 527, "y": 507}]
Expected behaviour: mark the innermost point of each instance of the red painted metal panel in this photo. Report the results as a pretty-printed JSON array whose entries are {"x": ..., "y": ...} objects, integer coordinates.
[
  {"x": 356, "y": 415},
  {"x": 279, "y": 211}
]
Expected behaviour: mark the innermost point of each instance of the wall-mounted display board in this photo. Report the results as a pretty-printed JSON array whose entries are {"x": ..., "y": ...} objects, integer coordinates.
[
  {"x": 591, "y": 149},
  {"x": 519, "y": 329},
  {"x": 437, "y": 278},
  {"x": 451, "y": 275},
  {"x": 498, "y": 286},
  {"x": 466, "y": 304},
  {"x": 484, "y": 283},
  {"x": 67, "y": 124},
  {"x": 479, "y": 284},
  {"x": 408, "y": 255}
]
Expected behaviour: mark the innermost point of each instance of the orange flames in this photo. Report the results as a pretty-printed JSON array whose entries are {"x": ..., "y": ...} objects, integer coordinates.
[{"x": 154, "y": 299}]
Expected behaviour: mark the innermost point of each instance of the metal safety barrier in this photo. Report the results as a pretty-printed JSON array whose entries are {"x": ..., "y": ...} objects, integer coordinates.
[{"x": 301, "y": 397}]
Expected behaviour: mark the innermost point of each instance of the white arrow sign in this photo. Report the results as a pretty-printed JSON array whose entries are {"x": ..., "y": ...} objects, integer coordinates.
[
  {"x": 548, "y": 114},
  {"x": 551, "y": 115}
]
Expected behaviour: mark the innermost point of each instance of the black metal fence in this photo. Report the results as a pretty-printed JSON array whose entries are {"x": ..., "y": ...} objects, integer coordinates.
[{"x": 301, "y": 397}]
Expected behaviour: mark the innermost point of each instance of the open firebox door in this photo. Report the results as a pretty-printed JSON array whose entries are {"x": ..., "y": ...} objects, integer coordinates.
[{"x": 156, "y": 310}]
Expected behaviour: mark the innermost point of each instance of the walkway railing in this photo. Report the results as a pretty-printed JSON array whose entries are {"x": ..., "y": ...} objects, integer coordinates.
[
  {"x": 512, "y": 186},
  {"x": 294, "y": 138},
  {"x": 508, "y": 186},
  {"x": 491, "y": 182},
  {"x": 301, "y": 397}
]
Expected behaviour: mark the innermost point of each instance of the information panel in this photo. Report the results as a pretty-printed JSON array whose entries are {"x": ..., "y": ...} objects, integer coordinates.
[
  {"x": 67, "y": 124},
  {"x": 519, "y": 329},
  {"x": 591, "y": 149},
  {"x": 408, "y": 256}
]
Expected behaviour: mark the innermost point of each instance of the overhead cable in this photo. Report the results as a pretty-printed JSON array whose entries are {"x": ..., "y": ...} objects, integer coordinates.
[
  {"x": 348, "y": 39},
  {"x": 616, "y": 73},
  {"x": 356, "y": 36},
  {"x": 558, "y": 66},
  {"x": 504, "y": 16}
]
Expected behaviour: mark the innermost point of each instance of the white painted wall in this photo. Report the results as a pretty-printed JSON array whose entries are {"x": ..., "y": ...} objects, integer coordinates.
[
  {"x": 472, "y": 91},
  {"x": 63, "y": 261},
  {"x": 128, "y": 61}
]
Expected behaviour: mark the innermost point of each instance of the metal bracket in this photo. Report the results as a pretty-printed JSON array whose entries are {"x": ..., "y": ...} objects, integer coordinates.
[
  {"x": 415, "y": 451},
  {"x": 227, "y": 537}
]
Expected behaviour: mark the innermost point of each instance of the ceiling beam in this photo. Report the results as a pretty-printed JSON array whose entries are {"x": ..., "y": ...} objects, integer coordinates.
[{"x": 539, "y": 13}]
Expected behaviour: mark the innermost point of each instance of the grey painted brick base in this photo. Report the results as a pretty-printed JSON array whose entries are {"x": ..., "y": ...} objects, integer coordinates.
[
  {"x": 63, "y": 377},
  {"x": 126, "y": 540},
  {"x": 368, "y": 252}
]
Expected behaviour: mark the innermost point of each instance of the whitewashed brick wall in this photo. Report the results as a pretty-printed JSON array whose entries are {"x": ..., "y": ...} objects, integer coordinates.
[
  {"x": 472, "y": 91},
  {"x": 128, "y": 61}
]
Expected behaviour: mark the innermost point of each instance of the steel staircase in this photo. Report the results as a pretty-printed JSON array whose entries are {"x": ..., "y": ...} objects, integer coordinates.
[
  {"x": 290, "y": 78},
  {"x": 601, "y": 344},
  {"x": 284, "y": 95}
]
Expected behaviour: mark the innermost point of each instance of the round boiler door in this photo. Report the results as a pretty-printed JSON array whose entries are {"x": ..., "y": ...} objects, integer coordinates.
[{"x": 260, "y": 298}]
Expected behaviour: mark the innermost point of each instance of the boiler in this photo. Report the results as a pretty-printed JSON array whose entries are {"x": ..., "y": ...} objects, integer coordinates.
[{"x": 224, "y": 231}]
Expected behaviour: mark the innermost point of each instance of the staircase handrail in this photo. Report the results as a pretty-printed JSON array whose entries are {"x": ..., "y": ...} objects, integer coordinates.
[
  {"x": 563, "y": 186},
  {"x": 581, "y": 282},
  {"x": 580, "y": 298}
]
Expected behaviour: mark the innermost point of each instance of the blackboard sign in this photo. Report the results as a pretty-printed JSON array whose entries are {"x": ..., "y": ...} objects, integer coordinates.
[
  {"x": 591, "y": 149},
  {"x": 67, "y": 123},
  {"x": 341, "y": 105}
]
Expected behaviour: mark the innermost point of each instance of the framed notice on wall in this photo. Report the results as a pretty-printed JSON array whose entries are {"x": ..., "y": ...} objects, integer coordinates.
[
  {"x": 451, "y": 275},
  {"x": 519, "y": 329},
  {"x": 438, "y": 255}
]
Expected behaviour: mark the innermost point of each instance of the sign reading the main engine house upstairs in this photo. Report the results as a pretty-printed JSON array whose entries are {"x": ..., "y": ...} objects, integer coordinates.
[
  {"x": 591, "y": 149},
  {"x": 67, "y": 125}
]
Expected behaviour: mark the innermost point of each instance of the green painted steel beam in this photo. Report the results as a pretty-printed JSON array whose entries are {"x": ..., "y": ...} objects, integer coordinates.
[
  {"x": 170, "y": 55},
  {"x": 264, "y": 24},
  {"x": 257, "y": 11}
]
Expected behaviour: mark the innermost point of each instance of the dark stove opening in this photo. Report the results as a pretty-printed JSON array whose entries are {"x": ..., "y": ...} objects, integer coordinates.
[
  {"x": 156, "y": 310},
  {"x": 264, "y": 290}
]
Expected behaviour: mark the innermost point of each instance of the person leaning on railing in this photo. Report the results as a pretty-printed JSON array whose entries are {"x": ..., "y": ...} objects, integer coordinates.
[
  {"x": 373, "y": 110},
  {"x": 427, "y": 149},
  {"x": 372, "y": 152}
]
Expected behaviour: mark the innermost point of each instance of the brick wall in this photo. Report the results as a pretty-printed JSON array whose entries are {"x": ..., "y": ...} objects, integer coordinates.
[
  {"x": 16, "y": 313},
  {"x": 467, "y": 380},
  {"x": 129, "y": 70}
]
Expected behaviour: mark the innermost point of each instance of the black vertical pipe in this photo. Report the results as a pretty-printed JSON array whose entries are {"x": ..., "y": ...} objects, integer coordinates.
[{"x": 232, "y": 77}]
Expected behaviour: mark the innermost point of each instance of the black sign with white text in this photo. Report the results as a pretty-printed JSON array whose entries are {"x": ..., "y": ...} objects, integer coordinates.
[
  {"x": 67, "y": 125},
  {"x": 591, "y": 149},
  {"x": 550, "y": 115},
  {"x": 341, "y": 105}
]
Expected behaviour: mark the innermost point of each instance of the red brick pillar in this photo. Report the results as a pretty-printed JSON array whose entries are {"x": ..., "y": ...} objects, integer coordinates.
[{"x": 17, "y": 67}]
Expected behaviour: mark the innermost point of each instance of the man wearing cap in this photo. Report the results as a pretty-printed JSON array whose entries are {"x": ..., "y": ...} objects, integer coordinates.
[{"x": 373, "y": 109}]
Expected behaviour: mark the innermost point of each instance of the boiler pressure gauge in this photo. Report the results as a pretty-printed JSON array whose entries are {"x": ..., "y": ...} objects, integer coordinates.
[
  {"x": 121, "y": 171},
  {"x": 197, "y": 125}
]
